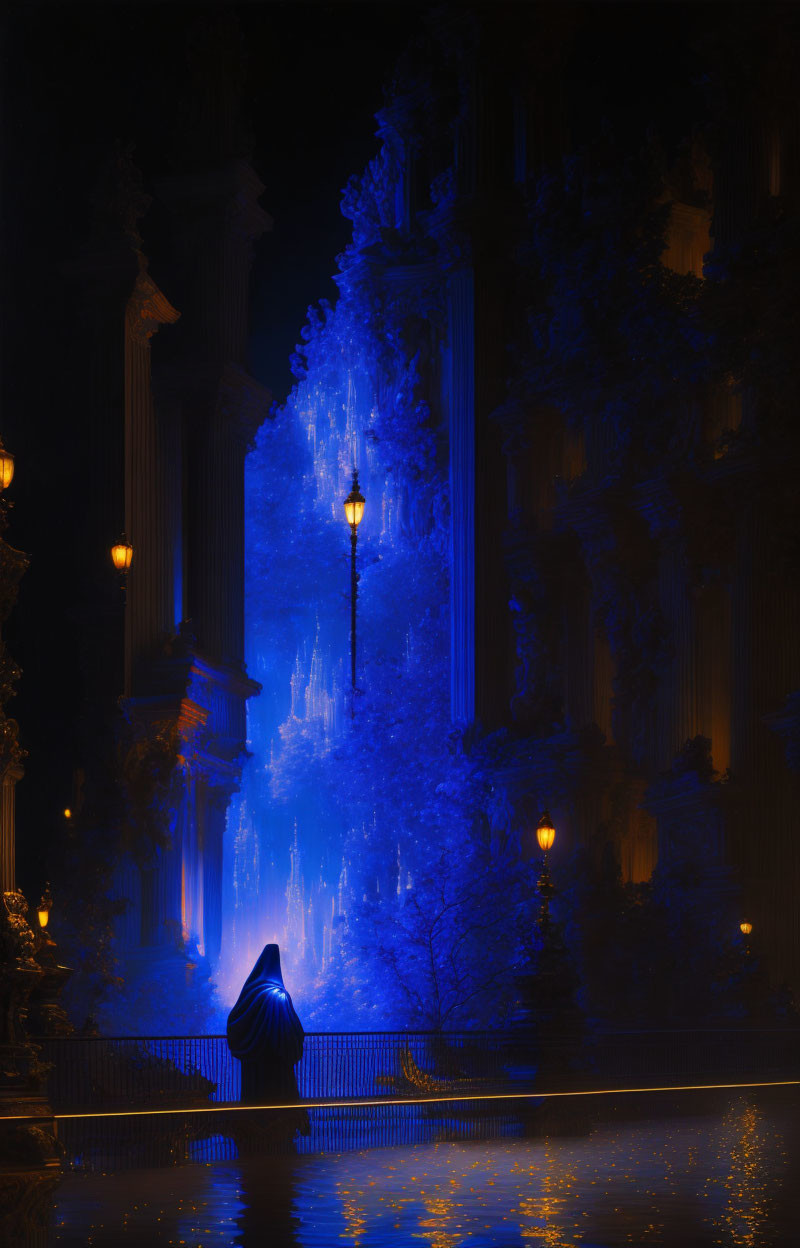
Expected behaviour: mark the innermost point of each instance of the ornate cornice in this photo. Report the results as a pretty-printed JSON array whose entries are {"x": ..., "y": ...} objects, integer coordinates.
[
  {"x": 198, "y": 701},
  {"x": 148, "y": 307},
  {"x": 238, "y": 402},
  {"x": 234, "y": 184},
  {"x": 242, "y": 403}
]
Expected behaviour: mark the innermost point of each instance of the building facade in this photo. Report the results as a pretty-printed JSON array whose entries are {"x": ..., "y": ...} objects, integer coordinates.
[{"x": 617, "y": 392}]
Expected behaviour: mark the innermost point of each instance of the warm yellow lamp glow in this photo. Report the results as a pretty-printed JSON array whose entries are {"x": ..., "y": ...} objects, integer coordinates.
[
  {"x": 745, "y": 928},
  {"x": 545, "y": 832},
  {"x": 122, "y": 554},
  {"x": 68, "y": 813},
  {"x": 354, "y": 504},
  {"x": 6, "y": 467},
  {"x": 44, "y": 907}
]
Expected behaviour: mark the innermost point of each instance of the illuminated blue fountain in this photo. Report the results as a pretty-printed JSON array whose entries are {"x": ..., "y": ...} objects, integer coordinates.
[{"x": 318, "y": 827}]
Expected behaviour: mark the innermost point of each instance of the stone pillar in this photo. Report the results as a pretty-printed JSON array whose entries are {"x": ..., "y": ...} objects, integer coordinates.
[
  {"x": 13, "y": 564},
  {"x": 677, "y": 701},
  {"x": 766, "y": 669},
  {"x": 219, "y": 220},
  {"x": 149, "y": 614},
  {"x": 480, "y": 630},
  {"x": 105, "y": 272},
  {"x": 214, "y": 589},
  {"x": 217, "y": 799},
  {"x": 27, "y": 1149},
  {"x": 11, "y": 775}
]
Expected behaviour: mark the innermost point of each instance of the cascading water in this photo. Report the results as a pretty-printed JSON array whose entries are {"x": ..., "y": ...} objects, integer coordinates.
[
  {"x": 290, "y": 877},
  {"x": 361, "y": 840}
]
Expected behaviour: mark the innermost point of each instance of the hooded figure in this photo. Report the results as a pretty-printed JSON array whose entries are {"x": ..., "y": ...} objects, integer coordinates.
[{"x": 265, "y": 1034}]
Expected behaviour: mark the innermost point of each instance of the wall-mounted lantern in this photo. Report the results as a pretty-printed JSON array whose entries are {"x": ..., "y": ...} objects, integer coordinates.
[{"x": 6, "y": 467}]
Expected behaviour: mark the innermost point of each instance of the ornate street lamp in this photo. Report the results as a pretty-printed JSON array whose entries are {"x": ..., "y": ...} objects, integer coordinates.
[
  {"x": 122, "y": 555},
  {"x": 545, "y": 832},
  {"x": 746, "y": 928},
  {"x": 545, "y": 835},
  {"x": 6, "y": 467},
  {"x": 44, "y": 907},
  {"x": 353, "y": 511},
  {"x": 122, "y": 558}
]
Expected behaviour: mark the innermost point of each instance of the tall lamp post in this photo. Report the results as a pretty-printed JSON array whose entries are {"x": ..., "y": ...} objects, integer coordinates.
[
  {"x": 746, "y": 928},
  {"x": 122, "y": 558},
  {"x": 353, "y": 510},
  {"x": 545, "y": 835}
]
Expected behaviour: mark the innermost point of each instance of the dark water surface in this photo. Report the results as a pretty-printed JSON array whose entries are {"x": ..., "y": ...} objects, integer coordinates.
[{"x": 711, "y": 1168}]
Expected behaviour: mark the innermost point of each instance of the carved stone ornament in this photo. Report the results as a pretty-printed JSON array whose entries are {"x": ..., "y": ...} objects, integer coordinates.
[
  {"x": 148, "y": 307},
  {"x": 13, "y": 565},
  {"x": 19, "y": 973},
  {"x": 118, "y": 198},
  {"x": 17, "y": 941},
  {"x": 149, "y": 762}
]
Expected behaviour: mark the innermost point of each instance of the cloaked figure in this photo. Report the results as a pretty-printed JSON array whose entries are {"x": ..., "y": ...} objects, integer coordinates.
[{"x": 265, "y": 1034}]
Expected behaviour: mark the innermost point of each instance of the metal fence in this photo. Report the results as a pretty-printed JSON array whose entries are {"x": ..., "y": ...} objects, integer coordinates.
[
  {"x": 137, "y": 1071},
  {"x": 189, "y": 1071}
]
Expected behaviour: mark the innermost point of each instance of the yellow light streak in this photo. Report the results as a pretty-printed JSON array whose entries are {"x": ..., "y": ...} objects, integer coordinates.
[{"x": 231, "y": 1108}]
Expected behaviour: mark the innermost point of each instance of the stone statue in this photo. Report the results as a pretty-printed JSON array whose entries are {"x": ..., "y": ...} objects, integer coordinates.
[{"x": 265, "y": 1034}]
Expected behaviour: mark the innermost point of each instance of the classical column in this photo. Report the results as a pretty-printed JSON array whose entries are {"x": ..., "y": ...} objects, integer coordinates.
[
  {"x": 23, "y": 1147},
  {"x": 766, "y": 669},
  {"x": 219, "y": 221},
  {"x": 149, "y": 614},
  {"x": 13, "y": 564},
  {"x": 215, "y": 808},
  {"x": 102, "y": 276}
]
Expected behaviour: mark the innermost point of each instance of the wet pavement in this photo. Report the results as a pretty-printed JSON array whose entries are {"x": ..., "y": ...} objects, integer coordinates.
[{"x": 701, "y": 1169}]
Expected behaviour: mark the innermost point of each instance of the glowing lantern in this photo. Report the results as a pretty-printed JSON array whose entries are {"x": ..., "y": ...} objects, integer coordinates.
[
  {"x": 68, "y": 813},
  {"x": 545, "y": 832},
  {"x": 6, "y": 467},
  {"x": 354, "y": 504},
  {"x": 122, "y": 554},
  {"x": 44, "y": 907},
  {"x": 745, "y": 928}
]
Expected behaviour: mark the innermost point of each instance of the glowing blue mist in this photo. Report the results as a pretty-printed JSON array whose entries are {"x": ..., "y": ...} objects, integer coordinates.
[
  {"x": 363, "y": 844},
  {"x": 324, "y": 772}
]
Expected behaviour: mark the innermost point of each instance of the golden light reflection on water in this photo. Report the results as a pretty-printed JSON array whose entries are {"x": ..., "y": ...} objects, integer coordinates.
[
  {"x": 541, "y": 1217},
  {"x": 640, "y": 1184},
  {"x": 748, "y": 1178},
  {"x": 695, "y": 1178}
]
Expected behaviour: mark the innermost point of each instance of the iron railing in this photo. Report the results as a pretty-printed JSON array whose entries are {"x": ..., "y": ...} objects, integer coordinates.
[
  {"x": 137, "y": 1071},
  {"x": 189, "y": 1071}
]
